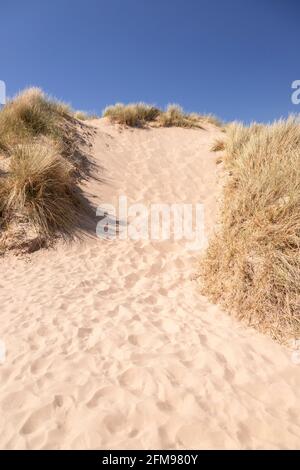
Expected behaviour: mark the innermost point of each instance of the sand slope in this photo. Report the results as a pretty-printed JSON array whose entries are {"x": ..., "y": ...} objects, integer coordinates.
[{"x": 110, "y": 345}]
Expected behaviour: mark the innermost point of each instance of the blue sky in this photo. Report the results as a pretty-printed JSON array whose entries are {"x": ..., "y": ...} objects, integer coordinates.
[{"x": 234, "y": 58}]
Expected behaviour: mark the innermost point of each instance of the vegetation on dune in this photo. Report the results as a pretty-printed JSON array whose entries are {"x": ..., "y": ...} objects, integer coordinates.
[
  {"x": 39, "y": 148},
  {"x": 40, "y": 186},
  {"x": 252, "y": 265},
  {"x": 134, "y": 115},
  {"x": 29, "y": 115},
  {"x": 139, "y": 114},
  {"x": 212, "y": 119},
  {"x": 84, "y": 116},
  {"x": 175, "y": 116},
  {"x": 218, "y": 145}
]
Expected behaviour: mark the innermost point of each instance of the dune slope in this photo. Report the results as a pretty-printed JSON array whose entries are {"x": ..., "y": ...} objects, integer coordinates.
[{"x": 109, "y": 343}]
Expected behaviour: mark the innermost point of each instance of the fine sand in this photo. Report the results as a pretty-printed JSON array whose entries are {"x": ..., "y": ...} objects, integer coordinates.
[{"x": 109, "y": 343}]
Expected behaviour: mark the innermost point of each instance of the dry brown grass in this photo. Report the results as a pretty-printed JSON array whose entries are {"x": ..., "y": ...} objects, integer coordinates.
[
  {"x": 252, "y": 265},
  {"x": 40, "y": 188},
  {"x": 32, "y": 115},
  {"x": 138, "y": 114},
  {"x": 174, "y": 116},
  {"x": 134, "y": 114},
  {"x": 29, "y": 115},
  {"x": 218, "y": 145}
]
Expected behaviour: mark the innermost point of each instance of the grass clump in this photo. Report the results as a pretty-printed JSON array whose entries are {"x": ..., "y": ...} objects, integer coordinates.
[
  {"x": 40, "y": 187},
  {"x": 174, "y": 116},
  {"x": 29, "y": 115},
  {"x": 41, "y": 161},
  {"x": 134, "y": 115},
  {"x": 138, "y": 114},
  {"x": 252, "y": 265}
]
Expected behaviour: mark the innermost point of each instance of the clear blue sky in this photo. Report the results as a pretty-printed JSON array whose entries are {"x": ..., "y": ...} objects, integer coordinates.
[{"x": 234, "y": 58}]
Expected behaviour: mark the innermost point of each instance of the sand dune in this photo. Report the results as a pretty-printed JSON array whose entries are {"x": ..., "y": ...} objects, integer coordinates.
[{"x": 110, "y": 345}]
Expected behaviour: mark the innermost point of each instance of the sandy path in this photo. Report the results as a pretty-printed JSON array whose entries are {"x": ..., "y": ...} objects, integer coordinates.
[{"x": 109, "y": 344}]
